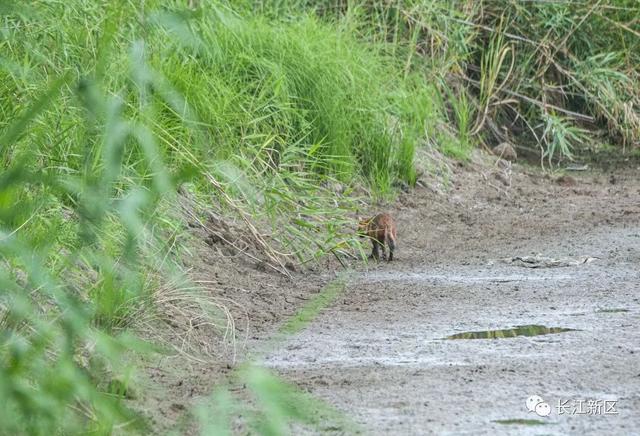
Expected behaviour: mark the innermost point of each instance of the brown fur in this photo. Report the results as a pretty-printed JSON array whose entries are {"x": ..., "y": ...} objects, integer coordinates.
[{"x": 381, "y": 229}]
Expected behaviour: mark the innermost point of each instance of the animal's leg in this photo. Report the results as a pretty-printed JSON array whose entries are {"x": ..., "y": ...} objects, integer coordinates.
[
  {"x": 375, "y": 254},
  {"x": 389, "y": 242}
]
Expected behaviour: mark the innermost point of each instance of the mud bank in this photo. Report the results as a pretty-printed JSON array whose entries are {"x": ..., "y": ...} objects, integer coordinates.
[{"x": 378, "y": 352}]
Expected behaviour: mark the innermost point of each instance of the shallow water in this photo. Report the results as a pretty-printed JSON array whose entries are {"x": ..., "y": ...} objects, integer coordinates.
[{"x": 523, "y": 330}]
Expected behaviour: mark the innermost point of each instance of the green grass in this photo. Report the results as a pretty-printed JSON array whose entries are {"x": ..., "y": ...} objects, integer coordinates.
[
  {"x": 106, "y": 111},
  {"x": 312, "y": 309},
  {"x": 519, "y": 66},
  {"x": 518, "y": 421}
]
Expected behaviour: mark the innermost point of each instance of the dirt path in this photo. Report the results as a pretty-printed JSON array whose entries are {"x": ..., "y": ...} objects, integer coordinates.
[{"x": 378, "y": 353}]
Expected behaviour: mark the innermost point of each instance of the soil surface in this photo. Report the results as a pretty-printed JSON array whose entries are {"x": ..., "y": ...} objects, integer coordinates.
[{"x": 378, "y": 352}]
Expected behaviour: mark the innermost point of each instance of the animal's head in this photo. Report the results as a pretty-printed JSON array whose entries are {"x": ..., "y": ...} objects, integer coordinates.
[{"x": 362, "y": 227}]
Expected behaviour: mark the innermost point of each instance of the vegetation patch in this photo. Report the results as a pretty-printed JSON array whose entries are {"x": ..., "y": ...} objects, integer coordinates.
[{"x": 516, "y": 421}]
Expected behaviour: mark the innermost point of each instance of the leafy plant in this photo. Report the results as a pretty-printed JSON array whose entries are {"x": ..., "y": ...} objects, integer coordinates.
[{"x": 560, "y": 137}]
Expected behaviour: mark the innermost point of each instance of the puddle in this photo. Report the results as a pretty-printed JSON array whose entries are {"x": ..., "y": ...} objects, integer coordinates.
[
  {"x": 523, "y": 330},
  {"x": 520, "y": 422},
  {"x": 611, "y": 310}
]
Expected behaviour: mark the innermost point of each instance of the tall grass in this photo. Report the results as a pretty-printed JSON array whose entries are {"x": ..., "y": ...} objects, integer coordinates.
[
  {"x": 106, "y": 111},
  {"x": 519, "y": 64}
]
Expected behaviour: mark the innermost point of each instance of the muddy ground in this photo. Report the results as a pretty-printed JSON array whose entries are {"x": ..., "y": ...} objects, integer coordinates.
[{"x": 377, "y": 353}]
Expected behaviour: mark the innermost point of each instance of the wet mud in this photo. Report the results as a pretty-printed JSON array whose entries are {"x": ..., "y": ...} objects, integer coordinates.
[{"x": 377, "y": 352}]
